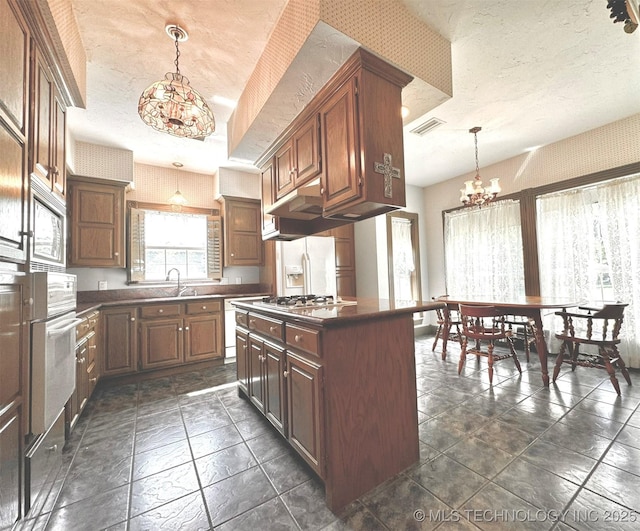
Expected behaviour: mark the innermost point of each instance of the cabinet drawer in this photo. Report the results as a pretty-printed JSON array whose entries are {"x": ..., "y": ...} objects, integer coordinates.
[
  {"x": 242, "y": 318},
  {"x": 204, "y": 307},
  {"x": 303, "y": 339},
  {"x": 267, "y": 326},
  {"x": 160, "y": 310},
  {"x": 82, "y": 328}
]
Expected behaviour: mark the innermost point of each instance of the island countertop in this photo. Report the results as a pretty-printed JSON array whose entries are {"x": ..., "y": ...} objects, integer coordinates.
[{"x": 359, "y": 309}]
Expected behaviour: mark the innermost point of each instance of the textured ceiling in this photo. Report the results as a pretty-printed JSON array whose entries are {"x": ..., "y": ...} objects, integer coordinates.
[{"x": 530, "y": 72}]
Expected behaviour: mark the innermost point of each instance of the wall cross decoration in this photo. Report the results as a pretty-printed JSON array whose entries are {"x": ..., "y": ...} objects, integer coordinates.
[{"x": 386, "y": 168}]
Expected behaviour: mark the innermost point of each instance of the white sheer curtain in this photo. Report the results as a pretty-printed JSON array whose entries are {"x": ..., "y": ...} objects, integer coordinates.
[
  {"x": 483, "y": 251},
  {"x": 403, "y": 262},
  {"x": 589, "y": 249}
]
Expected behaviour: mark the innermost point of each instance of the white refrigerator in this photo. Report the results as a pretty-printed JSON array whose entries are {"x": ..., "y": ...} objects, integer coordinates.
[{"x": 306, "y": 266}]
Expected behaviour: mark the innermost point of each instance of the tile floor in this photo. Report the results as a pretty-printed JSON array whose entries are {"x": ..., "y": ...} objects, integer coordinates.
[{"x": 172, "y": 454}]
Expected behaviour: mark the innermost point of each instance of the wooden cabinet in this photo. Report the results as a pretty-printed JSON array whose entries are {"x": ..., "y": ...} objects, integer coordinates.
[
  {"x": 278, "y": 377},
  {"x": 242, "y": 220},
  {"x": 14, "y": 181},
  {"x": 87, "y": 363},
  {"x": 96, "y": 214},
  {"x": 356, "y": 120},
  {"x": 304, "y": 387},
  {"x": 48, "y": 128},
  {"x": 162, "y": 335},
  {"x": 266, "y": 384},
  {"x": 13, "y": 399},
  {"x": 298, "y": 160},
  {"x": 345, "y": 260},
  {"x": 119, "y": 340},
  {"x": 173, "y": 333}
]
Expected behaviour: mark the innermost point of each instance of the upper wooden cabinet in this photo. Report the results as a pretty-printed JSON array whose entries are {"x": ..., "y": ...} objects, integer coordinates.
[
  {"x": 298, "y": 160},
  {"x": 355, "y": 121},
  {"x": 242, "y": 222},
  {"x": 14, "y": 181},
  {"x": 48, "y": 128},
  {"x": 96, "y": 214}
]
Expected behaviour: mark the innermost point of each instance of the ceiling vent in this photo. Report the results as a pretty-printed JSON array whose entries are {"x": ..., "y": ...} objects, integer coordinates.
[{"x": 427, "y": 126}]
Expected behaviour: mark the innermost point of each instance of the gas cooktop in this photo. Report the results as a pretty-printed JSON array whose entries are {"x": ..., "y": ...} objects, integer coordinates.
[{"x": 292, "y": 302}]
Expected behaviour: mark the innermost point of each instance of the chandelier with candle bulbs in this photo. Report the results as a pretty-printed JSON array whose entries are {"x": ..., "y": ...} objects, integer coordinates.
[
  {"x": 473, "y": 192},
  {"x": 171, "y": 105}
]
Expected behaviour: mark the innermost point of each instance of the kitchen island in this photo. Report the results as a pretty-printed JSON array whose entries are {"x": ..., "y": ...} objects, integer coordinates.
[{"x": 339, "y": 383}]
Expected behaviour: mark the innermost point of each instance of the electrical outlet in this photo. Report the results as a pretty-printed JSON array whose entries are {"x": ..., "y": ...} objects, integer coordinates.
[
  {"x": 102, "y": 285},
  {"x": 238, "y": 280}
]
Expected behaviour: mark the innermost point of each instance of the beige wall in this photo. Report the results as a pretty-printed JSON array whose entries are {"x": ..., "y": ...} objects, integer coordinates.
[{"x": 606, "y": 147}]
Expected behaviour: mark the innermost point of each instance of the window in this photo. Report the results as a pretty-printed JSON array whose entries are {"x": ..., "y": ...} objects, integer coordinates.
[
  {"x": 589, "y": 248},
  {"x": 161, "y": 238},
  {"x": 404, "y": 259},
  {"x": 483, "y": 251}
]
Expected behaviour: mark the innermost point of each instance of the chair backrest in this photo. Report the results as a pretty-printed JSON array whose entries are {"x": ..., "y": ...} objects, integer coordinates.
[
  {"x": 481, "y": 321},
  {"x": 602, "y": 324},
  {"x": 454, "y": 318}
]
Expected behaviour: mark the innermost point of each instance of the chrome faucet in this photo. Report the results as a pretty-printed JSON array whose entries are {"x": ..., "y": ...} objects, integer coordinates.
[{"x": 180, "y": 290}]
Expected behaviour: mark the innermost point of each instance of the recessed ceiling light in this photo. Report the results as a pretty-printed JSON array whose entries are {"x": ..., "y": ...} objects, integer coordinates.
[
  {"x": 405, "y": 111},
  {"x": 177, "y": 164}
]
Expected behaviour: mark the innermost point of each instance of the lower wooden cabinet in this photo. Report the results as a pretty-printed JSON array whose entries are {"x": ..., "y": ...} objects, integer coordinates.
[
  {"x": 304, "y": 387},
  {"x": 87, "y": 367},
  {"x": 10, "y": 468},
  {"x": 119, "y": 340},
  {"x": 285, "y": 384},
  {"x": 161, "y": 335}
]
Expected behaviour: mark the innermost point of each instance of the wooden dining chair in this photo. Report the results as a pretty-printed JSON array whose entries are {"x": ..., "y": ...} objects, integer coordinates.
[
  {"x": 599, "y": 327},
  {"x": 521, "y": 328},
  {"x": 454, "y": 323},
  {"x": 484, "y": 324}
]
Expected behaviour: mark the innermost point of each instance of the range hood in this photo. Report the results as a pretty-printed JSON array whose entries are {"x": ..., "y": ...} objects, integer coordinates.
[{"x": 305, "y": 202}]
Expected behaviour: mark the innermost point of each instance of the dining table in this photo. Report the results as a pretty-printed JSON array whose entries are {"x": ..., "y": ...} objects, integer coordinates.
[{"x": 528, "y": 306}]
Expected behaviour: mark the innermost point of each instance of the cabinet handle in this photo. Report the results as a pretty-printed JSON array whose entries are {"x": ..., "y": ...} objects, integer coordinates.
[
  {"x": 93, "y": 347},
  {"x": 133, "y": 318},
  {"x": 179, "y": 329},
  {"x": 80, "y": 361},
  {"x": 186, "y": 328},
  {"x": 116, "y": 254},
  {"x": 297, "y": 338},
  {"x": 285, "y": 374},
  {"x": 53, "y": 448},
  {"x": 204, "y": 307},
  {"x": 28, "y": 233},
  {"x": 94, "y": 380},
  {"x": 160, "y": 310},
  {"x": 321, "y": 191},
  {"x": 252, "y": 323},
  {"x": 272, "y": 329},
  {"x": 232, "y": 254}
]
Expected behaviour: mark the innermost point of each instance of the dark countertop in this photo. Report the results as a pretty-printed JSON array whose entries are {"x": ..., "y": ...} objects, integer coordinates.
[
  {"x": 88, "y": 306},
  {"x": 364, "y": 309}
]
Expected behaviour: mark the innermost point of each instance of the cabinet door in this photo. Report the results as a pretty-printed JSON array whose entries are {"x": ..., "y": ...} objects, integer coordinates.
[
  {"x": 284, "y": 170},
  {"x": 306, "y": 151},
  {"x": 341, "y": 178},
  {"x": 58, "y": 146},
  {"x": 12, "y": 346},
  {"x": 203, "y": 337},
  {"x": 242, "y": 360},
  {"x": 256, "y": 381},
  {"x": 10, "y": 469},
  {"x": 243, "y": 234},
  {"x": 41, "y": 130},
  {"x": 97, "y": 225},
  {"x": 269, "y": 222},
  {"x": 161, "y": 343},
  {"x": 274, "y": 388},
  {"x": 304, "y": 388},
  {"x": 81, "y": 393},
  {"x": 14, "y": 61},
  {"x": 119, "y": 341}
]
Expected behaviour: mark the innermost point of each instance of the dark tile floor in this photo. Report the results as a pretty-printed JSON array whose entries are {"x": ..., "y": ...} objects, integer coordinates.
[{"x": 185, "y": 453}]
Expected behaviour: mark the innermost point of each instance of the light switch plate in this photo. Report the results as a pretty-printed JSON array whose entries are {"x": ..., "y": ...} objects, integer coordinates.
[{"x": 102, "y": 285}]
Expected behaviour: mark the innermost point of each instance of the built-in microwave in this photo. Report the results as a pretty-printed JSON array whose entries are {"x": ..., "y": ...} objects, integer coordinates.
[{"x": 47, "y": 229}]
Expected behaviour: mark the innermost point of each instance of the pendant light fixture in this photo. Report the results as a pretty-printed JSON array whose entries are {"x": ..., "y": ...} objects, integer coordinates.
[
  {"x": 473, "y": 192},
  {"x": 171, "y": 105},
  {"x": 177, "y": 199}
]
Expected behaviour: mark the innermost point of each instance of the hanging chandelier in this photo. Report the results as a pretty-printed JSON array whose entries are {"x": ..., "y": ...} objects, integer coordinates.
[
  {"x": 171, "y": 105},
  {"x": 473, "y": 192}
]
